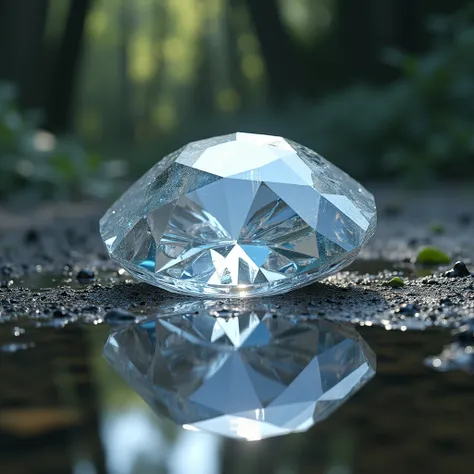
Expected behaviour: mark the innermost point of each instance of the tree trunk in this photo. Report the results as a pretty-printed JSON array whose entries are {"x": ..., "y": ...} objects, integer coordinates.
[
  {"x": 59, "y": 111},
  {"x": 410, "y": 25},
  {"x": 22, "y": 24},
  {"x": 126, "y": 112},
  {"x": 285, "y": 70},
  {"x": 203, "y": 85},
  {"x": 358, "y": 38}
]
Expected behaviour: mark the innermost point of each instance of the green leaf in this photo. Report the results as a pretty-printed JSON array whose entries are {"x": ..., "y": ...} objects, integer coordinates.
[
  {"x": 432, "y": 256},
  {"x": 395, "y": 282}
]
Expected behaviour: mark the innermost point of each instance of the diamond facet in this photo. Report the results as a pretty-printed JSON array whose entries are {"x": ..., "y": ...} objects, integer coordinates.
[
  {"x": 239, "y": 215},
  {"x": 251, "y": 374}
]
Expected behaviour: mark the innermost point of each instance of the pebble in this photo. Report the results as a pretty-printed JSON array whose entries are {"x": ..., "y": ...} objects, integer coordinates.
[
  {"x": 119, "y": 316},
  {"x": 465, "y": 219},
  {"x": 459, "y": 270},
  {"x": 31, "y": 236},
  {"x": 85, "y": 276},
  {"x": 60, "y": 313}
]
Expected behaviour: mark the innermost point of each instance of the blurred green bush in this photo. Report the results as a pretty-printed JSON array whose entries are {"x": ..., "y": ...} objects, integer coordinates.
[
  {"x": 40, "y": 165},
  {"x": 422, "y": 125}
]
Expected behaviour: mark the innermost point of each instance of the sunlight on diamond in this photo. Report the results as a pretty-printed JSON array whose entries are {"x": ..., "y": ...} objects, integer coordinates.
[
  {"x": 190, "y": 428},
  {"x": 246, "y": 429},
  {"x": 260, "y": 414},
  {"x": 237, "y": 216}
]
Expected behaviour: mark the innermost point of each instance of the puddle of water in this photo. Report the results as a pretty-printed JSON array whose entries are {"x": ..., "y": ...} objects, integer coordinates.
[{"x": 63, "y": 410}]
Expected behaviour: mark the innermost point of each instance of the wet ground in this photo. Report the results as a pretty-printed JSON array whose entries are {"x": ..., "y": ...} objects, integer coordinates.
[{"x": 64, "y": 410}]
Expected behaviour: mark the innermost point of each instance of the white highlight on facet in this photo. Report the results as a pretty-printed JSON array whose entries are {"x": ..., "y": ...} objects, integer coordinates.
[
  {"x": 232, "y": 158},
  {"x": 110, "y": 242}
]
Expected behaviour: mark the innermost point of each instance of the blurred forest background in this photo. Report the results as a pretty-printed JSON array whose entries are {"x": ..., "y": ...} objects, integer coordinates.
[{"x": 93, "y": 92}]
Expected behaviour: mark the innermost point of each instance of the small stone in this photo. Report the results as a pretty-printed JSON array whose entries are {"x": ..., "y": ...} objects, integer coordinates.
[
  {"x": 119, "y": 316},
  {"x": 85, "y": 276},
  {"x": 395, "y": 282},
  {"x": 408, "y": 309},
  {"x": 446, "y": 301},
  {"x": 465, "y": 219},
  {"x": 61, "y": 313},
  {"x": 459, "y": 270},
  {"x": 31, "y": 236}
]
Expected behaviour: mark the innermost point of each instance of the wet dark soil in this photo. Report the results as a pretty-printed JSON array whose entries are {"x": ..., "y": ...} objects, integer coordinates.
[{"x": 52, "y": 261}]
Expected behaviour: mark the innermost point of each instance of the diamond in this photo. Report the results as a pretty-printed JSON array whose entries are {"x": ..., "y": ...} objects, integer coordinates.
[
  {"x": 249, "y": 374},
  {"x": 239, "y": 215}
]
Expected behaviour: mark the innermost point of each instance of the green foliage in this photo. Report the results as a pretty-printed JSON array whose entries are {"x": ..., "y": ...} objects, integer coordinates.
[
  {"x": 432, "y": 256},
  {"x": 421, "y": 125},
  {"x": 40, "y": 164}
]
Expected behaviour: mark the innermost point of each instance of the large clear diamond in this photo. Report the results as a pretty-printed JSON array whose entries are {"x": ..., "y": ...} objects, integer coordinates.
[
  {"x": 251, "y": 374},
  {"x": 239, "y": 215}
]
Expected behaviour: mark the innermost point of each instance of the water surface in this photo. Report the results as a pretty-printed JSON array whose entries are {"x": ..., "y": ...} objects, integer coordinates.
[{"x": 64, "y": 410}]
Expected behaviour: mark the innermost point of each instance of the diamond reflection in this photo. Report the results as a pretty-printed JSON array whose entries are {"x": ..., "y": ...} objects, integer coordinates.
[{"x": 244, "y": 372}]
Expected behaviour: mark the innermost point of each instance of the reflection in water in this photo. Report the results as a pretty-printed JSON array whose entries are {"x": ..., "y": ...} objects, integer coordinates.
[
  {"x": 137, "y": 444},
  {"x": 63, "y": 410},
  {"x": 245, "y": 373},
  {"x": 49, "y": 411}
]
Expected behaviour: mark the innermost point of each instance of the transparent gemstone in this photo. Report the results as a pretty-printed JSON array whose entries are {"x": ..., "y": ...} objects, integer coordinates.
[
  {"x": 249, "y": 374},
  {"x": 239, "y": 215}
]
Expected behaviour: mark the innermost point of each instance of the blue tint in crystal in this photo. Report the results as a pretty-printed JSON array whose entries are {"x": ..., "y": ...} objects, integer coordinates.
[{"x": 239, "y": 215}]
